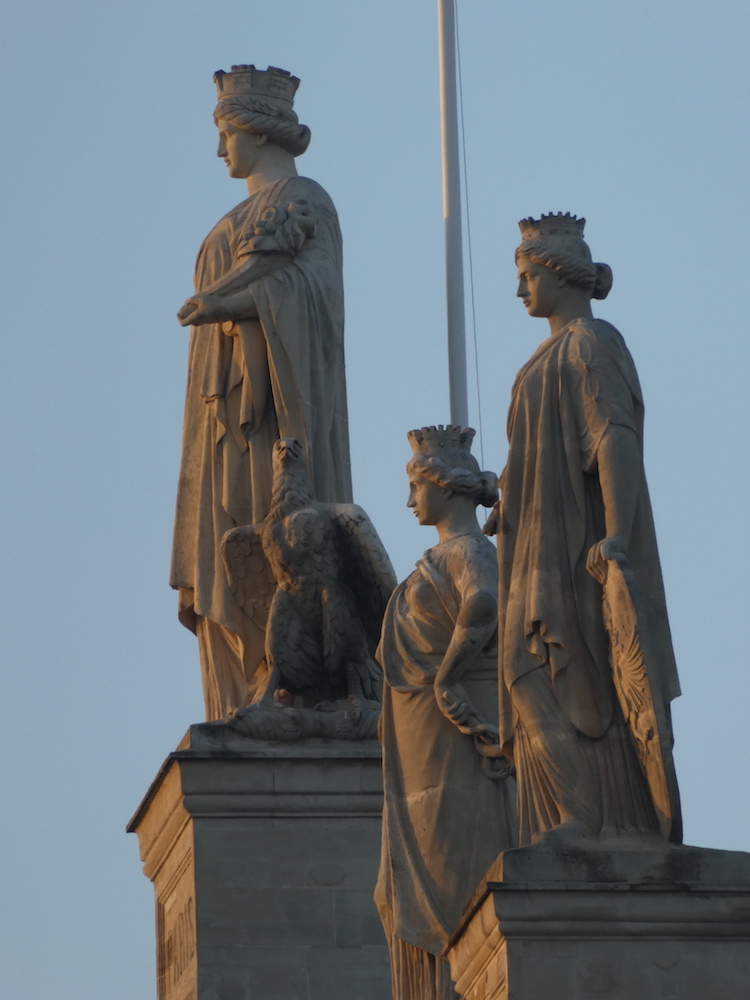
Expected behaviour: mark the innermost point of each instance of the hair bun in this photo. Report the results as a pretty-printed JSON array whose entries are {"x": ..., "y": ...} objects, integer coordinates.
[
  {"x": 603, "y": 283},
  {"x": 489, "y": 494}
]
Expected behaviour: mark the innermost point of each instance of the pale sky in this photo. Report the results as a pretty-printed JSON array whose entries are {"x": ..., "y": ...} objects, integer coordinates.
[{"x": 631, "y": 114}]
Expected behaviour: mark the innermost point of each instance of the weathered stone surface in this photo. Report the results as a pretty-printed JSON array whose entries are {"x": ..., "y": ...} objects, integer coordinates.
[
  {"x": 318, "y": 577},
  {"x": 264, "y": 858},
  {"x": 449, "y": 795},
  {"x": 608, "y": 921},
  {"x": 587, "y": 669},
  {"x": 266, "y": 360}
]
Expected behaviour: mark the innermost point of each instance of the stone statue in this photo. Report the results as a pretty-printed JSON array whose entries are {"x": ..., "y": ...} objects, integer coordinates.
[
  {"x": 449, "y": 798},
  {"x": 577, "y": 555},
  {"x": 266, "y": 361},
  {"x": 316, "y": 578}
]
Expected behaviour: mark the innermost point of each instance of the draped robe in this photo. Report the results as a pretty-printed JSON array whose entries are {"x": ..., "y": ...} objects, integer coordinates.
[
  {"x": 444, "y": 820},
  {"x": 578, "y": 383},
  {"x": 225, "y": 472}
]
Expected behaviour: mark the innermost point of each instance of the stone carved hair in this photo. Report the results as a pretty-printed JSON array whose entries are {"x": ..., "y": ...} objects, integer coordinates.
[
  {"x": 442, "y": 455},
  {"x": 264, "y": 116},
  {"x": 556, "y": 241}
]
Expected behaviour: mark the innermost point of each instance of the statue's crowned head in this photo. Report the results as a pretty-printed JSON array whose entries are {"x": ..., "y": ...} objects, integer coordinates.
[
  {"x": 443, "y": 455},
  {"x": 262, "y": 102},
  {"x": 557, "y": 242}
]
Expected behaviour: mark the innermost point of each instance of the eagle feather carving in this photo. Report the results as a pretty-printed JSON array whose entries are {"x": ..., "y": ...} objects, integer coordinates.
[{"x": 317, "y": 578}]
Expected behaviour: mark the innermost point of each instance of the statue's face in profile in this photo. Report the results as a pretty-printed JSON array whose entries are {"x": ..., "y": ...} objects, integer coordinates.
[
  {"x": 240, "y": 150},
  {"x": 539, "y": 287},
  {"x": 427, "y": 499}
]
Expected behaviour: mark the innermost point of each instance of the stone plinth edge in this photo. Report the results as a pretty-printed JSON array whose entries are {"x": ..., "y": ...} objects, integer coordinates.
[
  {"x": 218, "y": 740},
  {"x": 608, "y": 918},
  {"x": 264, "y": 857}
]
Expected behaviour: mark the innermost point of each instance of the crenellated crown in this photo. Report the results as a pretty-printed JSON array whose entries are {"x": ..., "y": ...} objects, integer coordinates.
[
  {"x": 249, "y": 81},
  {"x": 431, "y": 440},
  {"x": 554, "y": 224}
]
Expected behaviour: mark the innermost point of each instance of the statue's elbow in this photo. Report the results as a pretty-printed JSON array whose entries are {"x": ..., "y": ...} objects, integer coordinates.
[{"x": 483, "y": 608}]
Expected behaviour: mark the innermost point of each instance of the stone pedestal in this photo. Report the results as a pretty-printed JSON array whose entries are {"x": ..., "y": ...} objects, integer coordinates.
[
  {"x": 264, "y": 858},
  {"x": 608, "y": 923}
]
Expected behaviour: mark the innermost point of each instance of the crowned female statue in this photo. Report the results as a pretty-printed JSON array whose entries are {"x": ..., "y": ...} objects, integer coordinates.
[
  {"x": 587, "y": 670},
  {"x": 449, "y": 798},
  {"x": 266, "y": 360}
]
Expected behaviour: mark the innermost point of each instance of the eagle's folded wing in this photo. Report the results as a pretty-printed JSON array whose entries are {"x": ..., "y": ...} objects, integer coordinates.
[
  {"x": 366, "y": 566},
  {"x": 248, "y": 572}
]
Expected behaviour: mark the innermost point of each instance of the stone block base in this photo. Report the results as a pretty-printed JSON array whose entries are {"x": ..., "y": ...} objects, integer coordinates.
[
  {"x": 264, "y": 858},
  {"x": 608, "y": 923}
]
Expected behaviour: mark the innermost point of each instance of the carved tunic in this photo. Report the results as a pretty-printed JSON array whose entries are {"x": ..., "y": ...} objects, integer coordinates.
[
  {"x": 444, "y": 821},
  {"x": 225, "y": 474},
  {"x": 577, "y": 384}
]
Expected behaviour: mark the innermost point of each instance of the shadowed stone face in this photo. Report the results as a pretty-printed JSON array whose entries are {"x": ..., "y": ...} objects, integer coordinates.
[
  {"x": 539, "y": 288},
  {"x": 240, "y": 150},
  {"x": 426, "y": 499}
]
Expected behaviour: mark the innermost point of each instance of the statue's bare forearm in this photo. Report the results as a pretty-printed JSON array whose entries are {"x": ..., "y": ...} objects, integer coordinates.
[
  {"x": 231, "y": 297},
  {"x": 476, "y": 622},
  {"x": 620, "y": 473},
  {"x": 239, "y": 305},
  {"x": 474, "y": 628},
  {"x": 256, "y": 266},
  {"x": 202, "y": 309}
]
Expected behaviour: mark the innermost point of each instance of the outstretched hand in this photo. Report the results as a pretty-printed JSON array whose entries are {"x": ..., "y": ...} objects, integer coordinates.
[
  {"x": 608, "y": 548},
  {"x": 461, "y": 713}
]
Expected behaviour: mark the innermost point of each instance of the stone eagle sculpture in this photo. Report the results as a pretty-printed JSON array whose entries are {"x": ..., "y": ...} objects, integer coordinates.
[{"x": 317, "y": 578}]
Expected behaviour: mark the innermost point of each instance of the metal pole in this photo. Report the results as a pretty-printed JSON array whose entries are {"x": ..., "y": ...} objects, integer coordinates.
[{"x": 454, "y": 262}]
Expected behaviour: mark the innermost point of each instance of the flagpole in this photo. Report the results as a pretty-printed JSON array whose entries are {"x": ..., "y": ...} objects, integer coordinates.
[{"x": 454, "y": 264}]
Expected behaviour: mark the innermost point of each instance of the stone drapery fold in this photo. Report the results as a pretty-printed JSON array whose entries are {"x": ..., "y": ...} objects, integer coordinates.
[
  {"x": 445, "y": 821},
  {"x": 225, "y": 473},
  {"x": 577, "y": 384}
]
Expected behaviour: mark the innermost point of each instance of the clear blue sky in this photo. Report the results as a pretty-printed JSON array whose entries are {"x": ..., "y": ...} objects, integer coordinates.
[{"x": 633, "y": 114}]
